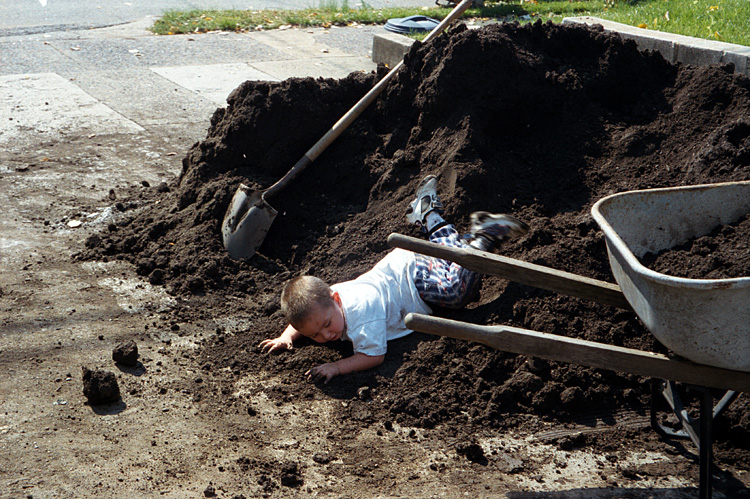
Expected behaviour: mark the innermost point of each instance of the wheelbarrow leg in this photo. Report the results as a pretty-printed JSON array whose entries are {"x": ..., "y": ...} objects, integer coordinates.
[
  {"x": 700, "y": 432},
  {"x": 706, "y": 444},
  {"x": 691, "y": 429},
  {"x": 668, "y": 389}
]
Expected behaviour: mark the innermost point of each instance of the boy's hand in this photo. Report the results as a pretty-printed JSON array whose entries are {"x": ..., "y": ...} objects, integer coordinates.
[
  {"x": 357, "y": 362},
  {"x": 323, "y": 372},
  {"x": 273, "y": 344},
  {"x": 284, "y": 342}
]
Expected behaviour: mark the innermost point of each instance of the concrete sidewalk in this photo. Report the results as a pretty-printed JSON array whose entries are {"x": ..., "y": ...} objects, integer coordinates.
[{"x": 125, "y": 79}]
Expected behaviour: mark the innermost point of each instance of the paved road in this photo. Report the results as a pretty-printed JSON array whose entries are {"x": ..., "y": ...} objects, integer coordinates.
[{"x": 20, "y": 17}]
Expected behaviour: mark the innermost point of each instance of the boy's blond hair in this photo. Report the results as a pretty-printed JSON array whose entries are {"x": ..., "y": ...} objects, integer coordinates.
[{"x": 302, "y": 295}]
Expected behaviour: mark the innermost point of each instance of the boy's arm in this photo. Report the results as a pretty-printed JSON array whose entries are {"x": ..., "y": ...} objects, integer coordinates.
[
  {"x": 283, "y": 342},
  {"x": 357, "y": 362}
]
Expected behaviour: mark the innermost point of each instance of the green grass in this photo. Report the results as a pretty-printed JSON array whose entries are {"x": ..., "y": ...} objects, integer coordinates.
[
  {"x": 202, "y": 21},
  {"x": 725, "y": 20}
]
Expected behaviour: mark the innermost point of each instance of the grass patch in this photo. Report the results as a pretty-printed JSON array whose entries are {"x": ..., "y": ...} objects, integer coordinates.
[
  {"x": 725, "y": 20},
  {"x": 202, "y": 21}
]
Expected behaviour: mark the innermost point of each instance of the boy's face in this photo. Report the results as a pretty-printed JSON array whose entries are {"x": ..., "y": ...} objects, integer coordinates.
[{"x": 324, "y": 324}]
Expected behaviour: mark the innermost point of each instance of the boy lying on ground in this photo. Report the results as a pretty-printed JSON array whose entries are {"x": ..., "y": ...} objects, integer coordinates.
[{"x": 369, "y": 311}]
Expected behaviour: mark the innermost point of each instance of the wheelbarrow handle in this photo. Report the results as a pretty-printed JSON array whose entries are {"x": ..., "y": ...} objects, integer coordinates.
[
  {"x": 518, "y": 271},
  {"x": 582, "y": 352}
]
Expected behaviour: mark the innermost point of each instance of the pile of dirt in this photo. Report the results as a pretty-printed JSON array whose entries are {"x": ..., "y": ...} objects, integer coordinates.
[
  {"x": 539, "y": 121},
  {"x": 722, "y": 254}
]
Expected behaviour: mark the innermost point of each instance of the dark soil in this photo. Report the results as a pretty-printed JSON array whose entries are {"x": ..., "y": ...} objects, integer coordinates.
[
  {"x": 722, "y": 254},
  {"x": 100, "y": 387},
  {"x": 126, "y": 353},
  {"x": 539, "y": 121}
]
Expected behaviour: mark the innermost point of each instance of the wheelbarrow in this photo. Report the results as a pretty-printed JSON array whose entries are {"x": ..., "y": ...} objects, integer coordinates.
[
  {"x": 704, "y": 320},
  {"x": 672, "y": 308}
]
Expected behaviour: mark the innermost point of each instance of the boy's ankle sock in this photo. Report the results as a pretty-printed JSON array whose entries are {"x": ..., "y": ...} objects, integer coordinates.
[{"x": 433, "y": 220}]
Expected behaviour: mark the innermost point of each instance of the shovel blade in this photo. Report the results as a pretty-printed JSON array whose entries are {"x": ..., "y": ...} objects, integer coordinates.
[{"x": 246, "y": 223}]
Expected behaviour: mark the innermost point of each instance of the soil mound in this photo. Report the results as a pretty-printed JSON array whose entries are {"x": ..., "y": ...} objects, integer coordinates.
[
  {"x": 722, "y": 254},
  {"x": 539, "y": 121}
]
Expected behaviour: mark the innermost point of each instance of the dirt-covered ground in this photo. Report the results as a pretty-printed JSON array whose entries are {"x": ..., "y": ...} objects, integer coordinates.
[{"x": 538, "y": 121}]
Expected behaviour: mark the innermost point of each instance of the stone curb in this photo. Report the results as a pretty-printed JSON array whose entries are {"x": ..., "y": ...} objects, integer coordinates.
[{"x": 390, "y": 48}]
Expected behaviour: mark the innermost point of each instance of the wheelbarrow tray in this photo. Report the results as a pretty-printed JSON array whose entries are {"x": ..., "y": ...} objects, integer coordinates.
[{"x": 704, "y": 320}]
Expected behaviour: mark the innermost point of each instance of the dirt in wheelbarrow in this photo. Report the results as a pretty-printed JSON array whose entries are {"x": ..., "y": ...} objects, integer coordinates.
[
  {"x": 539, "y": 121},
  {"x": 721, "y": 254}
]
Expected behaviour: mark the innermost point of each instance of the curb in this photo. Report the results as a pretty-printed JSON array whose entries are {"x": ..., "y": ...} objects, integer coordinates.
[{"x": 389, "y": 49}]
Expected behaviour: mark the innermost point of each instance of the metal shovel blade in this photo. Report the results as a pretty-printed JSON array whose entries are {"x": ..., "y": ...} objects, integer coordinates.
[{"x": 246, "y": 223}]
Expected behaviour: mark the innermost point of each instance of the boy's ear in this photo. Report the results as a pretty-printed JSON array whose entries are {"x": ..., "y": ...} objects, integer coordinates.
[{"x": 336, "y": 298}]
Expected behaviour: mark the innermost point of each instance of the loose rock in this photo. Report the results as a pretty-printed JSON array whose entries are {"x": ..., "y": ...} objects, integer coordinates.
[
  {"x": 100, "y": 387},
  {"x": 126, "y": 353}
]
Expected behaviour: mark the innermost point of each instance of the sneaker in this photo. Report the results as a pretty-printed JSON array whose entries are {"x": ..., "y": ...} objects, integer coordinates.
[
  {"x": 496, "y": 228},
  {"x": 425, "y": 201}
]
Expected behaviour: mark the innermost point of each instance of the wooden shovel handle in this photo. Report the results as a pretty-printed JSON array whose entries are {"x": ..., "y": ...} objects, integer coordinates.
[
  {"x": 518, "y": 271},
  {"x": 582, "y": 352},
  {"x": 346, "y": 120}
]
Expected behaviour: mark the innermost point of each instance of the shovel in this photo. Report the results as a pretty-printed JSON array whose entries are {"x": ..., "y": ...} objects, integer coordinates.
[{"x": 249, "y": 216}]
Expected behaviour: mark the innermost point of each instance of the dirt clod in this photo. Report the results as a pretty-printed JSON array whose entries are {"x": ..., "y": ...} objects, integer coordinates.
[
  {"x": 364, "y": 393},
  {"x": 571, "y": 442},
  {"x": 100, "y": 387},
  {"x": 126, "y": 353},
  {"x": 322, "y": 458},
  {"x": 210, "y": 491},
  {"x": 472, "y": 451},
  {"x": 290, "y": 475}
]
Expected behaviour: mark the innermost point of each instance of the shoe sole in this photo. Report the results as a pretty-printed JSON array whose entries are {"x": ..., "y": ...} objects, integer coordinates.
[
  {"x": 419, "y": 194},
  {"x": 423, "y": 184}
]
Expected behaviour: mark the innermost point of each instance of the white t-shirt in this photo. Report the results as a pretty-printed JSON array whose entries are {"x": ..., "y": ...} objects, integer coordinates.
[{"x": 376, "y": 303}]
